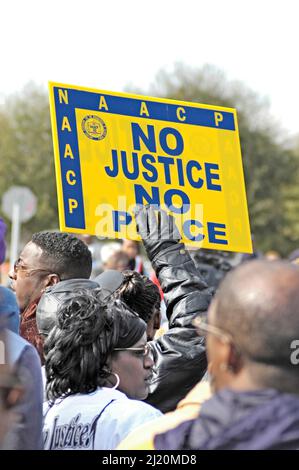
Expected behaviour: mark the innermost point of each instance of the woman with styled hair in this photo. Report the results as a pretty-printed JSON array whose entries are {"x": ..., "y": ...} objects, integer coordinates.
[{"x": 98, "y": 367}]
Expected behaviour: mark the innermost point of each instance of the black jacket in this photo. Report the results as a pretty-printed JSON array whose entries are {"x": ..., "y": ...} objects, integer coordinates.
[
  {"x": 179, "y": 355},
  {"x": 53, "y": 297}
]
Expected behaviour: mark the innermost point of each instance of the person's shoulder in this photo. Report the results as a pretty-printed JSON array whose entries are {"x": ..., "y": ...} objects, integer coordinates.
[
  {"x": 30, "y": 356},
  {"x": 126, "y": 415},
  {"x": 20, "y": 350},
  {"x": 136, "y": 408}
]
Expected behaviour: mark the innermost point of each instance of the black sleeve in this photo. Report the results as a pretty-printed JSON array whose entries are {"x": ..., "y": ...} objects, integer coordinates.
[{"x": 179, "y": 355}]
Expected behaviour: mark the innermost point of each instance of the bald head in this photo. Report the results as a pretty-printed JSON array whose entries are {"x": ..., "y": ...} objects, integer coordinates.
[{"x": 258, "y": 304}]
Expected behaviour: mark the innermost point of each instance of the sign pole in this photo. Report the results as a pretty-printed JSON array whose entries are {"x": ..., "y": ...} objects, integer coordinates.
[
  {"x": 19, "y": 205},
  {"x": 15, "y": 233}
]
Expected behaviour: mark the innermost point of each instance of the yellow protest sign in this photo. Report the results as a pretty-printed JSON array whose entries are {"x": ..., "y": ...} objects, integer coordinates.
[{"x": 116, "y": 150}]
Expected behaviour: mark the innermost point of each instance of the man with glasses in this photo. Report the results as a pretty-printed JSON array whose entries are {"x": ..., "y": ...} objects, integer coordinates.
[
  {"x": 50, "y": 257},
  {"x": 179, "y": 354},
  {"x": 251, "y": 330},
  {"x": 18, "y": 360}
]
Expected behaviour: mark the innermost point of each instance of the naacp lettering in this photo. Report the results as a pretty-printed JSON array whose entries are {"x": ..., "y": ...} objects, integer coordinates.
[{"x": 108, "y": 145}]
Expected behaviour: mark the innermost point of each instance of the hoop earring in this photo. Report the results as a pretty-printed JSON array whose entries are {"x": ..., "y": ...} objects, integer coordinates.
[{"x": 117, "y": 380}]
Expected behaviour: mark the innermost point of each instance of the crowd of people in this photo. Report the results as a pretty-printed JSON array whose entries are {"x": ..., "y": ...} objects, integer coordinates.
[{"x": 86, "y": 364}]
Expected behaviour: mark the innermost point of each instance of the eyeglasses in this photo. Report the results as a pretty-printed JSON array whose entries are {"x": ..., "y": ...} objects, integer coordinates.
[
  {"x": 18, "y": 266},
  {"x": 144, "y": 351},
  {"x": 202, "y": 328}
]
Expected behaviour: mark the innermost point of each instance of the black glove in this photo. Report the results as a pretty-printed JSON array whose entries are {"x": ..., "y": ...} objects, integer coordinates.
[{"x": 156, "y": 228}]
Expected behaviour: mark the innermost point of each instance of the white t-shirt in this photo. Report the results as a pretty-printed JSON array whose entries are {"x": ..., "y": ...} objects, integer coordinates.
[{"x": 98, "y": 420}]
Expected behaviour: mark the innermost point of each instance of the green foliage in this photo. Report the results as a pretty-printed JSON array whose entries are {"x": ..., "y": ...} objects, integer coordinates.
[
  {"x": 26, "y": 154},
  {"x": 271, "y": 168}
]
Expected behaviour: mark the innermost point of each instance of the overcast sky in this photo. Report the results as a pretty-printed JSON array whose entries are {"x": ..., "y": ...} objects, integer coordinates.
[{"x": 115, "y": 43}]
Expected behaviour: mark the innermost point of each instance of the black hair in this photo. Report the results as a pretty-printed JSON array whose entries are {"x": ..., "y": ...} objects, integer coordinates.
[
  {"x": 79, "y": 347},
  {"x": 140, "y": 294},
  {"x": 64, "y": 254}
]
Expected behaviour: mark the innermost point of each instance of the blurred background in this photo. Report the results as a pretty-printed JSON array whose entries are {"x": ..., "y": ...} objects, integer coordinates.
[{"x": 232, "y": 53}]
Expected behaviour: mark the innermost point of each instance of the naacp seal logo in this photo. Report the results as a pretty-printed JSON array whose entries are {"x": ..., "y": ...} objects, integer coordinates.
[{"x": 94, "y": 127}]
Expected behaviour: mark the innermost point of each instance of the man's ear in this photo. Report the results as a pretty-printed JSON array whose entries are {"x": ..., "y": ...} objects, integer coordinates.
[
  {"x": 52, "y": 279},
  {"x": 235, "y": 360},
  {"x": 223, "y": 351}
]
